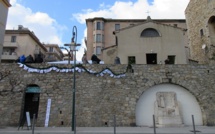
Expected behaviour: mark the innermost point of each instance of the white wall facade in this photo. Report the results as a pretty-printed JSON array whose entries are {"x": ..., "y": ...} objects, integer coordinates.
[{"x": 188, "y": 105}]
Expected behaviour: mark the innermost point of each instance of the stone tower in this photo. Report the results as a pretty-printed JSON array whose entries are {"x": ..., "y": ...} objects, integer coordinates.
[{"x": 200, "y": 17}]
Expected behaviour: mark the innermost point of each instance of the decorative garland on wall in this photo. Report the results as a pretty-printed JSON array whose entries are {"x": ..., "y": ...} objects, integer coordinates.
[{"x": 78, "y": 68}]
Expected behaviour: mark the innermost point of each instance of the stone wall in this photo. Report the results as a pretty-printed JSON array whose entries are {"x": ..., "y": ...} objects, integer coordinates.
[
  {"x": 198, "y": 13},
  {"x": 98, "y": 98}
]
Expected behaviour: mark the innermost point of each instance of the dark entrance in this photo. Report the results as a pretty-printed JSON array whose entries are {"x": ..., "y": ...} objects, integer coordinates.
[
  {"x": 151, "y": 58},
  {"x": 171, "y": 59},
  {"x": 30, "y": 103}
]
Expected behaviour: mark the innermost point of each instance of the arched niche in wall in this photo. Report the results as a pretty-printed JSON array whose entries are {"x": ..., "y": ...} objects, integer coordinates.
[
  {"x": 211, "y": 27},
  {"x": 171, "y": 105}
]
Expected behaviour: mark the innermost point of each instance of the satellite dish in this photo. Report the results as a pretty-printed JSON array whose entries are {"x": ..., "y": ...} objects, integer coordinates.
[{"x": 203, "y": 46}]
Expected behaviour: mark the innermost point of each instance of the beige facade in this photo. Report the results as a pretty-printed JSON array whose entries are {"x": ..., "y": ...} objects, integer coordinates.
[
  {"x": 21, "y": 42},
  {"x": 54, "y": 53},
  {"x": 200, "y": 16},
  {"x": 100, "y": 34},
  {"x": 151, "y": 43},
  {"x": 4, "y": 5}
]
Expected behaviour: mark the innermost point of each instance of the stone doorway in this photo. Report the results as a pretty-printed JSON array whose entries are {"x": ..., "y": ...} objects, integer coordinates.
[{"x": 30, "y": 103}]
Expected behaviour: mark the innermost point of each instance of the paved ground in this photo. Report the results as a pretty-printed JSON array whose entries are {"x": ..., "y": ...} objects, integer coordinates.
[{"x": 108, "y": 130}]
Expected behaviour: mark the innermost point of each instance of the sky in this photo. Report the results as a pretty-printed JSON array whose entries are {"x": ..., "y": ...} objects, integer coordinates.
[{"x": 52, "y": 21}]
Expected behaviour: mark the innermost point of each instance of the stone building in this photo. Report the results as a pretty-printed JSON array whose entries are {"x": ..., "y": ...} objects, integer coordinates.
[
  {"x": 160, "y": 90},
  {"x": 21, "y": 42},
  {"x": 4, "y": 5},
  {"x": 200, "y": 17},
  {"x": 100, "y": 35}
]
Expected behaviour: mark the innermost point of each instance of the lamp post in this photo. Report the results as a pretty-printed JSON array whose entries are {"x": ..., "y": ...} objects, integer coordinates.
[{"x": 73, "y": 44}]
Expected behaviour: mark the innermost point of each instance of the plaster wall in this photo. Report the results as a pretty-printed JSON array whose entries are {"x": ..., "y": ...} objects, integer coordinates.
[{"x": 170, "y": 42}]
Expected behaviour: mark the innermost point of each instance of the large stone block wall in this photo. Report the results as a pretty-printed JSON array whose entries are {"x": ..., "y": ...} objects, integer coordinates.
[
  {"x": 99, "y": 98},
  {"x": 198, "y": 13}
]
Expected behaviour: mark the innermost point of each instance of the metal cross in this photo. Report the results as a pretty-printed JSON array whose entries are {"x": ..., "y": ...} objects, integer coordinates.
[{"x": 148, "y": 12}]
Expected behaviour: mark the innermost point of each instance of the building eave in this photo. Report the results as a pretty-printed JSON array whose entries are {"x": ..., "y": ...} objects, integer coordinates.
[
  {"x": 6, "y": 2},
  {"x": 132, "y": 20}
]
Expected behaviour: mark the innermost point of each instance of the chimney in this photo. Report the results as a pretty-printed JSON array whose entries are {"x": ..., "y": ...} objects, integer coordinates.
[{"x": 20, "y": 27}]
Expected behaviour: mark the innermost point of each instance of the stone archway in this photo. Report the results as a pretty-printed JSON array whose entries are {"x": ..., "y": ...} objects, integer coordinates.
[{"x": 186, "y": 105}]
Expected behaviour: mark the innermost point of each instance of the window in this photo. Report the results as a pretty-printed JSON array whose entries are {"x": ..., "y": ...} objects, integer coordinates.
[
  {"x": 102, "y": 25},
  {"x": 201, "y": 32},
  {"x": 98, "y": 38},
  {"x": 131, "y": 60},
  {"x": 117, "y": 27},
  {"x": 171, "y": 59},
  {"x": 150, "y": 32},
  {"x": 13, "y": 38},
  {"x": 116, "y": 40},
  {"x": 98, "y": 26},
  {"x": 98, "y": 50},
  {"x": 51, "y": 49}
]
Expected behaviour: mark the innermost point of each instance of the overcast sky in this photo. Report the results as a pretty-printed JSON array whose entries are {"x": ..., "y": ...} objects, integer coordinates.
[{"x": 52, "y": 20}]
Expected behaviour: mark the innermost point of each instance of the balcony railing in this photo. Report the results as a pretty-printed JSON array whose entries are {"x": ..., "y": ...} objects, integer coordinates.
[
  {"x": 11, "y": 44},
  {"x": 7, "y": 56}
]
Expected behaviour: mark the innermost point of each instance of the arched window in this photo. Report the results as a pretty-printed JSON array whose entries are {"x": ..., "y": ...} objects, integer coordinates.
[
  {"x": 150, "y": 32},
  {"x": 211, "y": 27}
]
